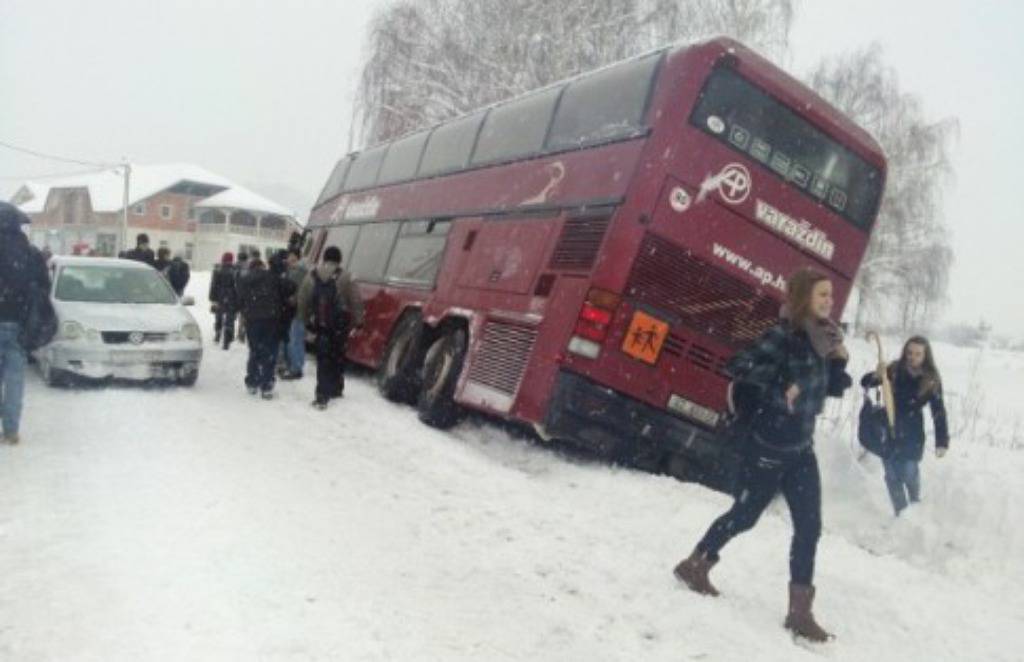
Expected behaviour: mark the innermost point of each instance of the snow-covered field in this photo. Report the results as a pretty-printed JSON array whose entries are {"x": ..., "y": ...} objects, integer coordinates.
[{"x": 201, "y": 524}]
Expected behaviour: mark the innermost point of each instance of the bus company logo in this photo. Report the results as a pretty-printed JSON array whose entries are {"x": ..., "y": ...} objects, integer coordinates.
[
  {"x": 363, "y": 209},
  {"x": 734, "y": 183},
  {"x": 798, "y": 231}
]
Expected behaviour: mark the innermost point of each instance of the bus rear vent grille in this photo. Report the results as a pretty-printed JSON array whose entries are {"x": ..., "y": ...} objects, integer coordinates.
[
  {"x": 703, "y": 296},
  {"x": 502, "y": 357},
  {"x": 581, "y": 239}
]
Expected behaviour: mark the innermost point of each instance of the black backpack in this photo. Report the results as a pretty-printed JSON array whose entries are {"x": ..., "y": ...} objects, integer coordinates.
[
  {"x": 873, "y": 427},
  {"x": 40, "y": 324},
  {"x": 327, "y": 305}
]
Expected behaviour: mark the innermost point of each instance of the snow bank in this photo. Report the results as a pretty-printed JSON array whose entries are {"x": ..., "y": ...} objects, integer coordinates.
[{"x": 202, "y": 524}]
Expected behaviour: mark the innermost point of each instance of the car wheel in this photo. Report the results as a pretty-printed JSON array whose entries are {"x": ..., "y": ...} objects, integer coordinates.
[
  {"x": 52, "y": 377},
  {"x": 397, "y": 378},
  {"x": 442, "y": 366},
  {"x": 189, "y": 380}
]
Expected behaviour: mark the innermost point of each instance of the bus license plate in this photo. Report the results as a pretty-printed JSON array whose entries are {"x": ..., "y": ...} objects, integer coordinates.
[{"x": 645, "y": 337}]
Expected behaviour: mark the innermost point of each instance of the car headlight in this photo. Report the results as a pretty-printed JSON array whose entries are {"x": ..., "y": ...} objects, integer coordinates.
[
  {"x": 71, "y": 330},
  {"x": 191, "y": 331}
]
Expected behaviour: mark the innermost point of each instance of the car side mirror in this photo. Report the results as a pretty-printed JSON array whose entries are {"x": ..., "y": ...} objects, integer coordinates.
[{"x": 188, "y": 301}]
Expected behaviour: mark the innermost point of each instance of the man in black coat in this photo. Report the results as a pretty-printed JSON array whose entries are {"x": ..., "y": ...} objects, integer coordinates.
[
  {"x": 178, "y": 274},
  {"x": 224, "y": 300},
  {"x": 261, "y": 299},
  {"x": 22, "y": 268},
  {"x": 142, "y": 252}
]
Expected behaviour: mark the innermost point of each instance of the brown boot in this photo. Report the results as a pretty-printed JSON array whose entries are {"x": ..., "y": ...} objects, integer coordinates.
[
  {"x": 800, "y": 619},
  {"x": 693, "y": 572}
]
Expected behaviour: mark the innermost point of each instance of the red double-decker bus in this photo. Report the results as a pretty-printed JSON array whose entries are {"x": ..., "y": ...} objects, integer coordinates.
[{"x": 585, "y": 258}]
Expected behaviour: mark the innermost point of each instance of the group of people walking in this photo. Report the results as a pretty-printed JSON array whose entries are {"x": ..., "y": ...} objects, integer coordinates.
[
  {"x": 175, "y": 270},
  {"x": 779, "y": 387},
  {"x": 275, "y": 305}
]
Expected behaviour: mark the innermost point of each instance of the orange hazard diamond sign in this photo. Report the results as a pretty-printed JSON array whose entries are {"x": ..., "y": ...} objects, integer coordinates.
[{"x": 645, "y": 337}]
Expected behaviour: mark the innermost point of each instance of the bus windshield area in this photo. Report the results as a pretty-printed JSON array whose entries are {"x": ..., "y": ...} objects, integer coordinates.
[{"x": 737, "y": 113}]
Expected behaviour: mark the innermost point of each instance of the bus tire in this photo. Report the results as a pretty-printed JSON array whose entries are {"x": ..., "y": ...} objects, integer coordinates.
[
  {"x": 442, "y": 366},
  {"x": 398, "y": 376}
]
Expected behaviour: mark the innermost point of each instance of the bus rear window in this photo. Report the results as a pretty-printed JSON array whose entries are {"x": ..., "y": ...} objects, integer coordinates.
[{"x": 737, "y": 113}]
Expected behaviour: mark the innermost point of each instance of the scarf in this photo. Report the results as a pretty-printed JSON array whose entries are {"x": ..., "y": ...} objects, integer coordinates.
[{"x": 825, "y": 335}]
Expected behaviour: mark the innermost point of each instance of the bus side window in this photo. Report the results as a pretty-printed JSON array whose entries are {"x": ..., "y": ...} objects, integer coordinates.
[
  {"x": 370, "y": 255},
  {"x": 605, "y": 105}
]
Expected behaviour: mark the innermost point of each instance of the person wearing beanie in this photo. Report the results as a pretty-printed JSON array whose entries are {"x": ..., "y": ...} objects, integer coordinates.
[
  {"x": 330, "y": 306},
  {"x": 23, "y": 272},
  {"x": 224, "y": 300},
  {"x": 142, "y": 252}
]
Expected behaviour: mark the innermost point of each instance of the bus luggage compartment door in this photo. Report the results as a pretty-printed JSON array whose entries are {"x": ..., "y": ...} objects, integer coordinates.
[{"x": 507, "y": 255}]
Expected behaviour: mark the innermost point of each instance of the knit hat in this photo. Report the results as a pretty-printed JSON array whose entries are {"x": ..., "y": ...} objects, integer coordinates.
[
  {"x": 227, "y": 258},
  {"x": 332, "y": 254}
]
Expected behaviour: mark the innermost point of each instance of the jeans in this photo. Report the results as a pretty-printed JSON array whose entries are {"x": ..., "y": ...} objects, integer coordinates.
[
  {"x": 12, "y": 367},
  {"x": 296, "y": 347},
  {"x": 224, "y": 326},
  {"x": 263, "y": 336},
  {"x": 763, "y": 474},
  {"x": 903, "y": 478}
]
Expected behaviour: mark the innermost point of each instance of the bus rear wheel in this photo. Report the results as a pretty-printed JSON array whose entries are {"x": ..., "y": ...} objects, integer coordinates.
[
  {"x": 442, "y": 366},
  {"x": 397, "y": 379}
]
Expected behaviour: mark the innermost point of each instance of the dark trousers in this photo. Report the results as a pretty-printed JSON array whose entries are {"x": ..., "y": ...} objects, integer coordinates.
[
  {"x": 264, "y": 335},
  {"x": 330, "y": 364},
  {"x": 224, "y": 326},
  {"x": 764, "y": 473}
]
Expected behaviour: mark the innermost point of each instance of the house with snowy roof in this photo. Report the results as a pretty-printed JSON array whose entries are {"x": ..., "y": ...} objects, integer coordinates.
[{"x": 182, "y": 207}]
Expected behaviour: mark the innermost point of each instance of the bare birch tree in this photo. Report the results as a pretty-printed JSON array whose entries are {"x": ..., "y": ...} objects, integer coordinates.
[
  {"x": 905, "y": 275},
  {"x": 430, "y": 60}
]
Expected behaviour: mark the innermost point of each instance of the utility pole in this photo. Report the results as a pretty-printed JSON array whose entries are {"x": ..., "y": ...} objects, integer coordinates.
[{"x": 124, "y": 216}]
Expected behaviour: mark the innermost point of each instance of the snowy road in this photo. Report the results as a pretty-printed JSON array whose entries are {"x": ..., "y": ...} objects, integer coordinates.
[{"x": 201, "y": 524}]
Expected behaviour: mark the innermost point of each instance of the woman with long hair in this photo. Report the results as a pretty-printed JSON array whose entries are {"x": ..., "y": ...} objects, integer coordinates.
[
  {"x": 779, "y": 387},
  {"x": 915, "y": 383}
]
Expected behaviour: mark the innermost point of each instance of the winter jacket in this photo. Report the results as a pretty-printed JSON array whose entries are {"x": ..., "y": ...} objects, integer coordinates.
[
  {"x": 223, "y": 290},
  {"x": 144, "y": 255},
  {"x": 259, "y": 295},
  {"x": 346, "y": 289},
  {"x": 910, "y": 399},
  {"x": 21, "y": 267},
  {"x": 764, "y": 371},
  {"x": 178, "y": 274},
  {"x": 161, "y": 264}
]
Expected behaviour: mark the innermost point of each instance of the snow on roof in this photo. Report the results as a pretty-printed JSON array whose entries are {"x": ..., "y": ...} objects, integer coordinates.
[
  {"x": 106, "y": 188},
  {"x": 238, "y": 197}
]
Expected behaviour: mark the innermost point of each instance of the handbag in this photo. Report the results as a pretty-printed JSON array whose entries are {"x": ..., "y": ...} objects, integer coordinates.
[{"x": 873, "y": 426}]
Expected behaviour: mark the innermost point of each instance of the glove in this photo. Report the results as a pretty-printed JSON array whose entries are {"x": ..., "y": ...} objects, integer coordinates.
[
  {"x": 940, "y": 452},
  {"x": 214, "y": 308}
]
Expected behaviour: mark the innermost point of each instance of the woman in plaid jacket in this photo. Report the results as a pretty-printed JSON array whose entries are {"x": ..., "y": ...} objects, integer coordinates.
[{"x": 779, "y": 387}]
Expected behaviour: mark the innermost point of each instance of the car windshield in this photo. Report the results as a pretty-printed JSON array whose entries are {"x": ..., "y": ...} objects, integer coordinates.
[{"x": 104, "y": 284}]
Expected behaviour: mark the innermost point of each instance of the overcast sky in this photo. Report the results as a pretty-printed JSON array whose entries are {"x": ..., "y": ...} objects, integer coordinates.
[{"x": 260, "y": 91}]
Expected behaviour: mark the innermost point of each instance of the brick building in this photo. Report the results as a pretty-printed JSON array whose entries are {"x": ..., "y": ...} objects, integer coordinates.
[{"x": 180, "y": 206}]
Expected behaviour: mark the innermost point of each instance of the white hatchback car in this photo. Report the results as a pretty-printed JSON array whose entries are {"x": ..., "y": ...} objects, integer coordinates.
[{"x": 119, "y": 319}]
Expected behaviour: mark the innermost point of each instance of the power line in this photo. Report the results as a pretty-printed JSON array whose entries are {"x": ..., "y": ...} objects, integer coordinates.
[
  {"x": 51, "y": 175},
  {"x": 51, "y": 157}
]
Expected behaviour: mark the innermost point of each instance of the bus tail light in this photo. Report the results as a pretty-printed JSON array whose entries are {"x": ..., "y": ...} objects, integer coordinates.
[{"x": 593, "y": 323}]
